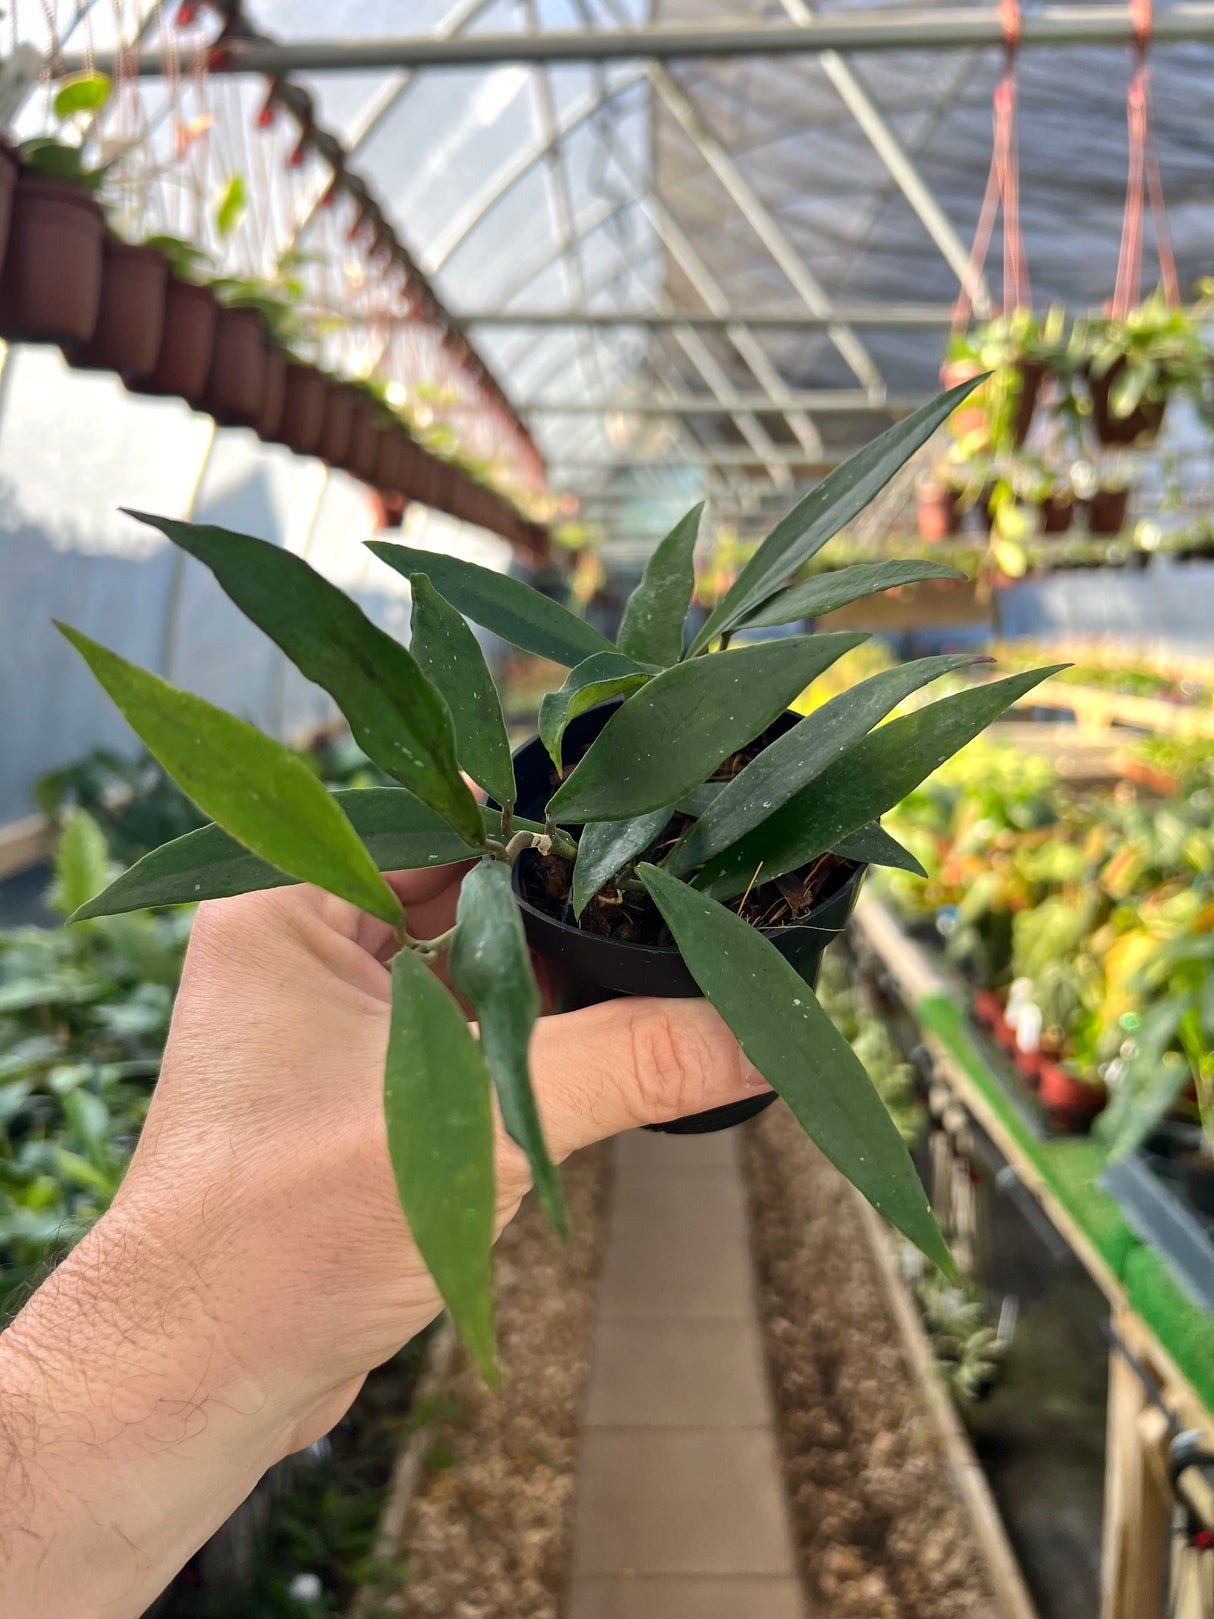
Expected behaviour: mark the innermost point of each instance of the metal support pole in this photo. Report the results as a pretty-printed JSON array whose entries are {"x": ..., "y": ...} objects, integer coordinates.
[{"x": 851, "y": 30}]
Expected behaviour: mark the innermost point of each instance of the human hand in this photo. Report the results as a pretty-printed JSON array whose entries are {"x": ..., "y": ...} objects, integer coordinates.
[{"x": 256, "y": 1263}]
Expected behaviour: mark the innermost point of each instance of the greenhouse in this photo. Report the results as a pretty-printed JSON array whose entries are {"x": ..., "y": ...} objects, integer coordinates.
[{"x": 606, "y": 810}]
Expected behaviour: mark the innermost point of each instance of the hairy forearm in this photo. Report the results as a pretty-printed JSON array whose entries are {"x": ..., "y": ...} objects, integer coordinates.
[{"x": 127, "y": 1432}]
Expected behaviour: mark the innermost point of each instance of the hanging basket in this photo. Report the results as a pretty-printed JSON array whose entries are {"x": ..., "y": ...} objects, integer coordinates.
[
  {"x": 237, "y": 382},
  {"x": 302, "y": 419},
  {"x": 387, "y": 467},
  {"x": 186, "y": 341},
  {"x": 130, "y": 317},
  {"x": 273, "y": 393},
  {"x": 1057, "y": 512},
  {"x": 1108, "y": 510},
  {"x": 334, "y": 442},
  {"x": 50, "y": 290},
  {"x": 1140, "y": 428}
]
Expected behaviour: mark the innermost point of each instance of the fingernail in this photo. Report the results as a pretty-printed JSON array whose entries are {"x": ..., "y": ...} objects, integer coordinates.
[{"x": 752, "y": 1079}]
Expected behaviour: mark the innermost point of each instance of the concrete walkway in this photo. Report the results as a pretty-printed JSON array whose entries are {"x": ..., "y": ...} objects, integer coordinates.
[{"x": 680, "y": 1507}]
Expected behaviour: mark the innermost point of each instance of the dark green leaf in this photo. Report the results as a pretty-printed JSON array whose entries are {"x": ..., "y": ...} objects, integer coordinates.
[
  {"x": 82, "y": 92},
  {"x": 606, "y": 847},
  {"x": 397, "y": 717},
  {"x": 841, "y": 495},
  {"x": 869, "y": 779},
  {"x": 873, "y": 846},
  {"x": 828, "y": 591},
  {"x": 606, "y": 674},
  {"x": 450, "y": 655},
  {"x": 794, "y": 1045},
  {"x": 400, "y": 833},
  {"x": 506, "y": 606},
  {"x": 699, "y": 798},
  {"x": 801, "y": 755},
  {"x": 258, "y": 790},
  {"x": 439, "y": 1113},
  {"x": 491, "y": 965},
  {"x": 651, "y": 629},
  {"x": 672, "y": 734}
]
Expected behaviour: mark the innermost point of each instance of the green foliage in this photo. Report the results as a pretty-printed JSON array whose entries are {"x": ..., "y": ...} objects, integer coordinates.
[
  {"x": 491, "y": 966},
  {"x": 509, "y": 608},
  {"x": 678, "y": 772},
  {"x": 53, "y": 159},
  {"x": 606, "y": 674},
  {"x": 81, "y": 92},
  {"x": 651, "y": 629},
  {"x": 440, "y": 1139},
  {"x": 83, "y": 1017},
  {"x": 673, "y": 733},
  {"x": 841, "y": 495},
  {"x": 794, "y": 1045},
  {"x": 230, "y": 206},
  {"x": 396, "y": 714},
  {"x": 449, "y": 654}
]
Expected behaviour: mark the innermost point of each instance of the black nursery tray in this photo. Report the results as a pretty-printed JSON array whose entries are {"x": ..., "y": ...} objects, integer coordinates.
[{"x": 1183, "y": 1240}]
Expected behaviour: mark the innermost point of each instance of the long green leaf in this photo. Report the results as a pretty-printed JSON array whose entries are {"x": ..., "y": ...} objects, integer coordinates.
[
  {"x": 869, "y": 779},
  {"x": 606, "y": 674},
  {"x": 841, "y": 495},
  {"x": 397, "y": 717},
  {"x": 400, "y": 834},
  {"x": 829, "y": 591},
  {"x": 506, "y": 606},
  {"x": 606, "y": 847},
  {"x": 258, "y": 790},
  {"x": 673, "y": 733},
  {"x": 873, "y": 846},
  {"x": 651, "y": 629},
  {"x": 794, "y": 1045},
  {"x": 439, "y": 1114},
  {"x": 448, "y": 652},
  {"x": 491, "y": 964},
  {"x": 801, "y": 755}
]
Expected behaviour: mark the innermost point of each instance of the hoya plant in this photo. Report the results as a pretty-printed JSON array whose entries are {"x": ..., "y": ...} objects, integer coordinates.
[{"x": 699, "y": 820}]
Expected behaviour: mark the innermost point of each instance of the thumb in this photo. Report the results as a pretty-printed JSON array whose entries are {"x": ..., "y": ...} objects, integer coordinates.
[{"x": 631, "y": 1062}]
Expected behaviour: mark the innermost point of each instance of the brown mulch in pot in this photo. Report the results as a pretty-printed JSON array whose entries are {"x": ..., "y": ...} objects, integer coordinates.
[
  {"x": 488, "y": 1535},
  {"x": 880, "y": 1533}
]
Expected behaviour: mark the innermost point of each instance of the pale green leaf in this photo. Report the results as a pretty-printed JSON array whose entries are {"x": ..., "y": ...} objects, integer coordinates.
[
  {"x": 255, "y": 788},
  {"x": 82, "y": 92}
]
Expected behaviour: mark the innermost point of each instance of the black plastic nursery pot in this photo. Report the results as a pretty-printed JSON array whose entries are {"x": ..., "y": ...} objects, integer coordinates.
[{"x": 588, "y": 968}]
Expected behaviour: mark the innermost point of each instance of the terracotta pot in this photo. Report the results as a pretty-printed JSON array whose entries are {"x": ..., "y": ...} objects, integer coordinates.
[
  {"x": 273, "y": 393},
  {"x": 363, "y": 450},
  {"x": 389, "y": 508},
  {"x": 9, "y": 169},
  {"x": 1107, "y": 511},
  {"x": 237, "y": 382},
  {"x": 130, "y": 319},
  {"x": 1071, "y": 1103},
  {"x": 186, "y": 341},
  {"x": 50, "y": 290},
  {"x": 1140, "y": 427},
  {"x": 937, "y": 512},
  {"x": 334, "y": 441},
  {"x": 1057, "y": 513},
  {"x": 302, "y": 419}
]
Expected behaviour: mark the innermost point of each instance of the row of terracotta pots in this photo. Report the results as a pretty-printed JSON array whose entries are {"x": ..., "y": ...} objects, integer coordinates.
[
  {"x": 1069, "y": 1103},
  {"x": 114, "y": 306},
  {"x": 939, "y": 513}
]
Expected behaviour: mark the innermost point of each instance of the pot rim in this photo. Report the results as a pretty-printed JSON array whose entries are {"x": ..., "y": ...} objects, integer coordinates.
[{"x": 670, "y": 952}]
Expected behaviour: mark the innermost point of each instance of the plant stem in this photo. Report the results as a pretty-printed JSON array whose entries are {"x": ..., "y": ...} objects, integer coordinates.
[
  {"x": 427, "y": 949},
  {"x": 499, "y": 851},
  {"x": 562, "y": 843},
  {"x": 507, "y": 821}
]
